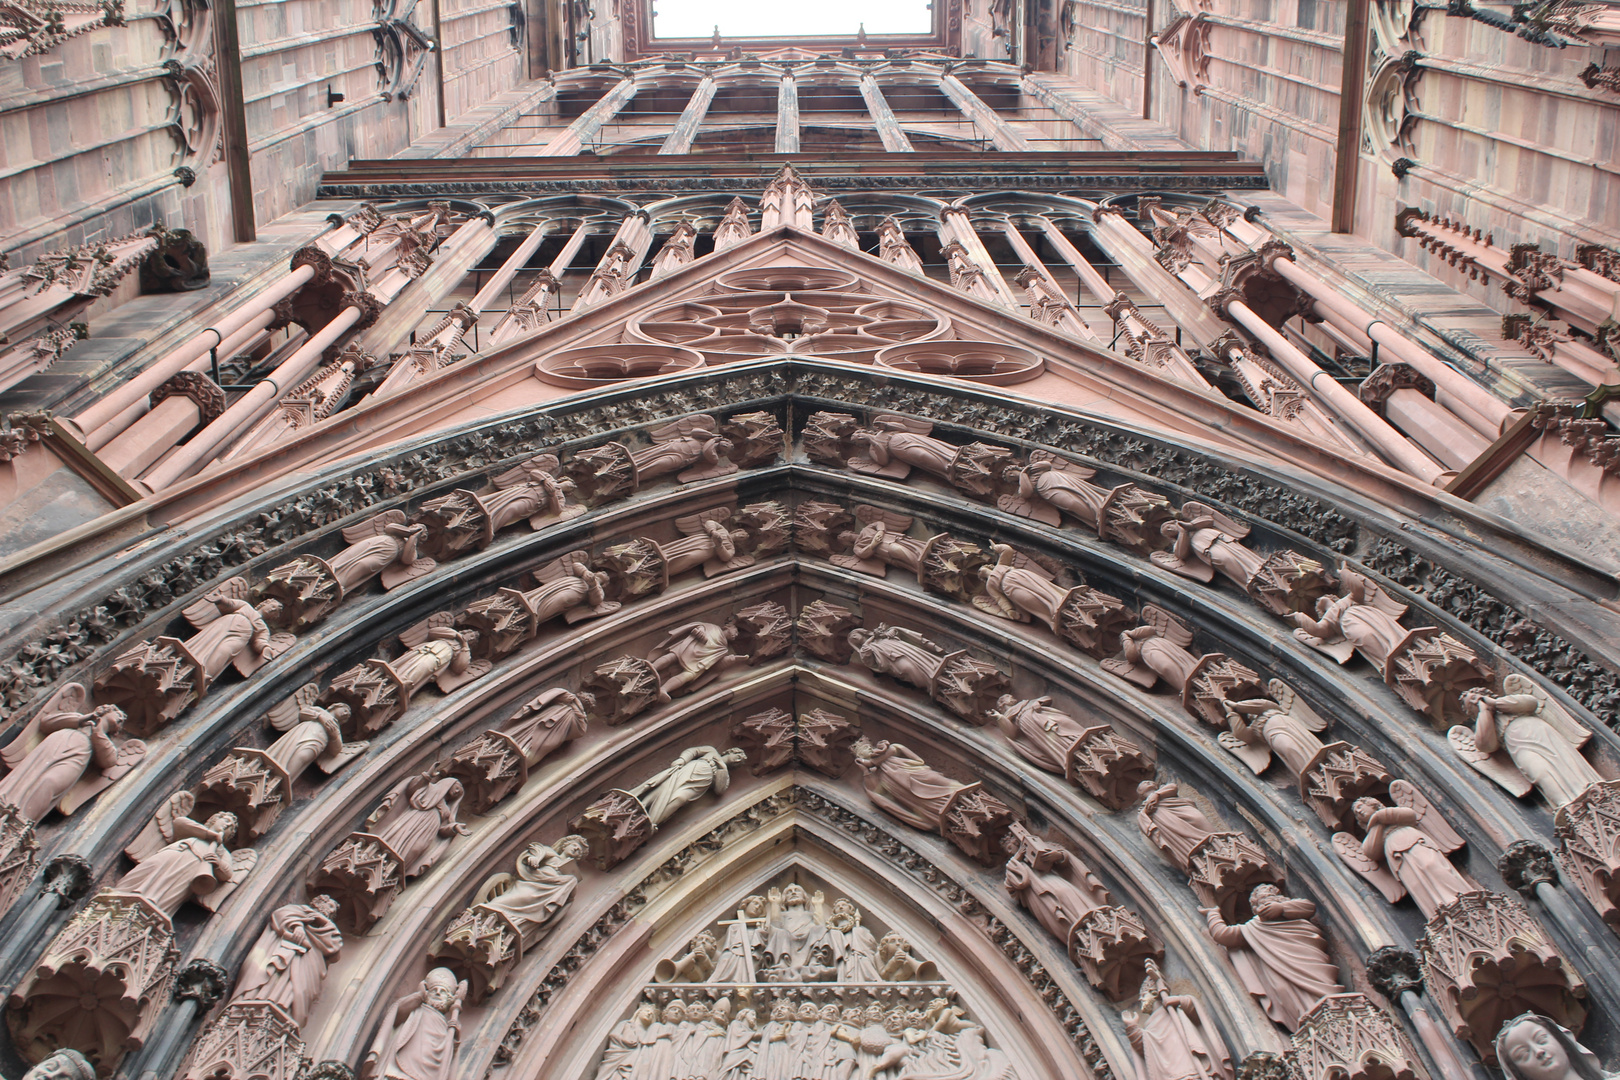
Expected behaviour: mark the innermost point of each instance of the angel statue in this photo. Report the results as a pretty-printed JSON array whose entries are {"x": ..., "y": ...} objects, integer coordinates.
[
  {"x": 698, "y": 770},
  {"x": 178, "y": 859},
  {"x": 691, "y": 447},
  {"x": 1049, "y": 484},
  {"x": 231, "y": 632},
  {"x": 1404, "y": 850},
  {"x": 706, "y": 541},
  {"x": 881, "y": 543},
  {"x": 1524, "y": 739},
  {"x": 896, "y": 444},
  {"x": 532, "y": 490},
  {"x": 1282, "y": 724},
  {"x": 1364, "y": 618},
  {"x": 1170, "y": 1040},
  {"x": 312, "y": 734},
  {"x": 1015, "y": 587},
  {"x": 308, "y": 588},
  {"x": 419, "y": 1039},
  {"x": 1206, "y": 541},
  {"x": 1155, "y": 650},
  {"x": 65, "y": 755},
  {"x": 438, "y": 653}
]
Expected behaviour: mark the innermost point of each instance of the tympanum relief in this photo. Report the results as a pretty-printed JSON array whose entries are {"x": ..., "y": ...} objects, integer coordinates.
[{"x": 791, "y": 985}]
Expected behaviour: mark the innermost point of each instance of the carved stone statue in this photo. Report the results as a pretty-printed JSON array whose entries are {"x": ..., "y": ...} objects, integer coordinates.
[
  {"x": 1222, "y": 867},
  {"x": 693, "y": 774},
  {"x": 963, "y": 684},
  {"x": 465, "y": 519},
  {"x": 511, "y": 914},
  {"x": 735, "y": 962},
  {"x": 1429, "y": 669},
  {"x": 690, "y": 447},
  {"x": 707, "y": 541},
  {"x": 194, "y": 864},
  {"x": 902, "y": 784},
  {"x": 52, "y": 758},
  {"x": 62, "y": 1065},
  {"x": 1099, "y": 759},
  {"x": 401, "y": 839},
  {"x": 1279, "y": 954},
  {"x": 420, "y": 1038},
  {"x": 287, "y": 966},
  {"x": 308, "y": 588},
  {"x": 1532, "y": 1047},
  {"x": 1170, "y": 1040},
  {"x": 378, "y": 692},
  {"x": 155, "y": 681},
  {"x": 1109, "y": 943},
  {"x": 853, "y": 944},
  {"x": 1404, "y": 850},
  {"x": 569, "y": 588},
  {"x": 897, "y": 444},
  {"x": 693, "y": 654},
  {"x": 1158, "y": 650},
  {"x": 1017, "y": 588},
  {"x": 1330, "y": 776},
  {"x": 621, "y": 821},
  {"x": 797, "y": 929},
  {"x": 1523, "y": 738},
  {"x": 1206, "y": 542},
  {"x": 256, "y": 785},
  {"x": 498, "y": 762},
  {"x": 1050, "y": 486},
  {"x": 881, "y": 543}
]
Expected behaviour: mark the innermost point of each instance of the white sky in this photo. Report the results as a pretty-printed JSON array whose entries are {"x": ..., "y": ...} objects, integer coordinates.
[{"x": 781, "y": 18}]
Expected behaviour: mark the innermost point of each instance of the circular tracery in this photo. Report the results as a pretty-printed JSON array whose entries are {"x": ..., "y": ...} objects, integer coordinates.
[{"x": 988, "y": 362}]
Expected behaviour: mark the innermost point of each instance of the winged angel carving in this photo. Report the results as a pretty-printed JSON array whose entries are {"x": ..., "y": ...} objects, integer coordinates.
[
  {"x": 1524, "y": 739},
  {"x": 179, "y": 858},
  {"x": 1404, "y": 850},
  {"x": 66, "y": 754},
  {"x": 1282, "y": 725}
]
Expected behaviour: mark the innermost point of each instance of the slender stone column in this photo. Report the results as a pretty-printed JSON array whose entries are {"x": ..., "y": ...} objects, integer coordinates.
[
  {"x": 888, "y": 128},
  {"x": 787, "y": 115},
  {"x": 179, "y": 405},
  {"x": 1398, "y": 974},
  {"x": 987, "y": 120},
  {"x": 957, "y": 224},
  {"x": 691, "y": 119},
  {"x": 617, "y": 269},
  {"x": 1064, "y": 317},
  {"x": 1342, "y": 402},
  {"x": 242, "y": 323},
  {"x": 588, "y": 123},
  {"x": 514, "y": 262},
  {"x": 358, "y": 308}
]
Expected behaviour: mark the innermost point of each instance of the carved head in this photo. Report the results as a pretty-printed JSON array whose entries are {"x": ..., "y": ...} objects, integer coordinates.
[
  {"x": 63, "y": 1065},
  {"x": 114, "y": 718},
  {"x": 863, "y": 749},
  {"x": 795, "y": 896},
  {"x": 874, "y": 1014},
  {"x": 439, "y": 989},
  {"x": 697, "y": 1012},
  {"x": 646, "y": 1013},
  {"x": 782, "y": 1011},
  {"x": 572, "y": 846},
  {"x": 225, "y": 825},
  {"x": 747, "y": 1016},
  {"x": 1145, "y": 788},
  {"x": 859, "y": 637},
  {"x": 808, "y": 1013},
  {"x": 735, "y": 755},
  {"x": 674, "y": 1012},
  {"x": 829, "y": 1013},
  {"x": 894, "y": 1023},
  {"x": 851, "y": 1015},
  {"x": 753, "y": 906},
  {"x": 846, "y": 914},
  {"x": 324, "y": 904},
  {"x": 1364, "y": 808},
  {"x": 1472, "y": 697},
  {"x": 1532, "y": 1047},
  {"x": 721, "y": 1010}
]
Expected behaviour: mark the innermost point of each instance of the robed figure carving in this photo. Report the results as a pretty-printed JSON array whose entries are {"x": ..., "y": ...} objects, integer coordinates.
[
  {"x": 797, "y": 922},
  {"x": 1523, "y": 738},
  {"x": 420, "y": 1037},
  {"x": 179, "y": 858},
  {"x": 287, "y": 966},
  {"x": 417, "y": 820},
  {"x": 540, "y": 890},
  {"x": 735, "y": 963},
  {"x": 66, "y": 754},
  {"x": 1170, "y": 1041},
  {"x": 1365, "y": 618},
  {"x": 697, "y": 771},
  {"x": 1279, "y": 954},
  {"x": 1404, "y": 850},
  {"x": 900, "y": 782}
]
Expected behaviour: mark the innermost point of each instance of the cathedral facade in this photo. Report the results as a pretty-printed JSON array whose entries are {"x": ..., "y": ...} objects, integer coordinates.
[{"x": 1077, "y": 544}]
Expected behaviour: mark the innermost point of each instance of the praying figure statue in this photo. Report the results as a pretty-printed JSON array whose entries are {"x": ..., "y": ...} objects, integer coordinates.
[
  {"x": 420, "y": 1037},
  {"x": 1523, "y": 739},
  {"x": 1404, "y": 850},
  {"x": 1365, "y": 618},
  {"x": 1279, "y": 954},
  {"x": 1207, "y": 542},
  {"x": 196, "y": 864},
  {"x": 417, "y": 820},
  {"x": 65, "y": 755},
  {"x": 1532, "y": 1047},
  {"x": 541, "y": 889}
]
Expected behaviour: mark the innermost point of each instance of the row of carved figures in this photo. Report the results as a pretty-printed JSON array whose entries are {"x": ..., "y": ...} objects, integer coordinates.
[
  {"x": 1519, "y": 736},
  {"x": 70, "y": 749}
]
